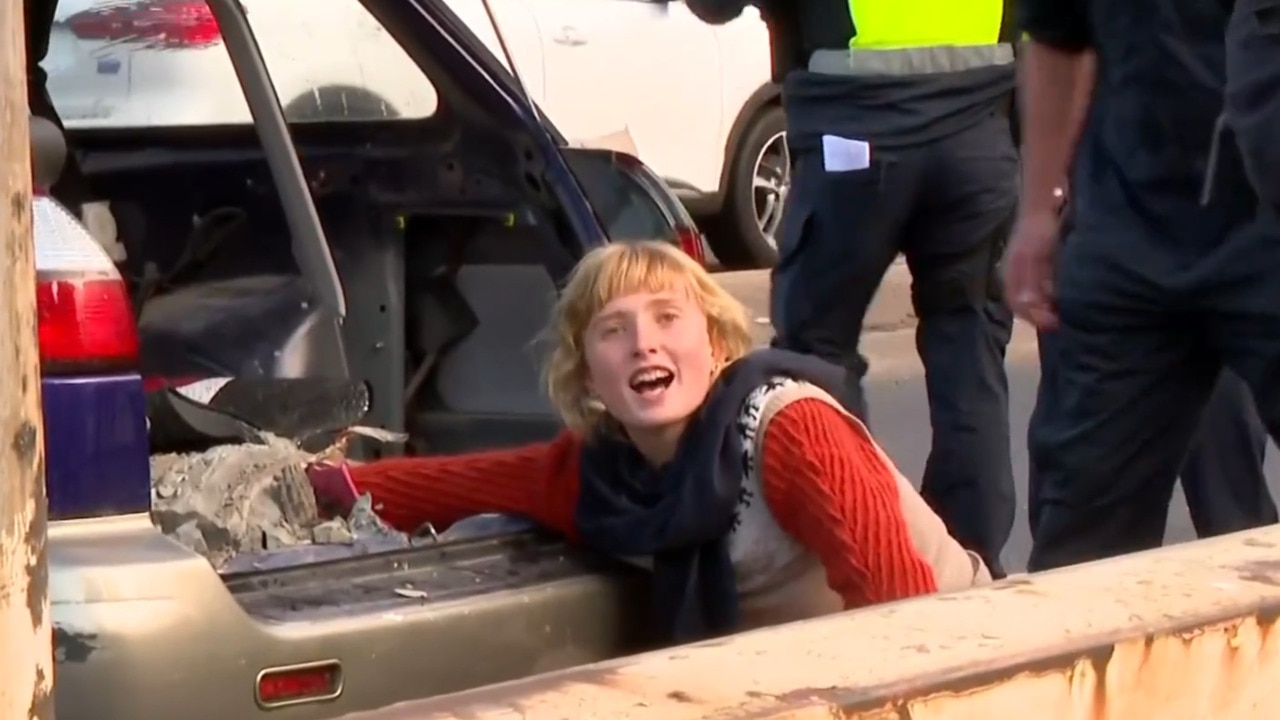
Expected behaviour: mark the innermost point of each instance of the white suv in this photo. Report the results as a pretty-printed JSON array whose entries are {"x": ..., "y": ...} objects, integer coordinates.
[{"x": 695, "y": 99}]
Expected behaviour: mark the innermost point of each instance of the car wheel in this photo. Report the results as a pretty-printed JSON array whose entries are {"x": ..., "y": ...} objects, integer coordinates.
[
  {"x": 338, "y": 102},
  {"x": 759, "y": 179}
]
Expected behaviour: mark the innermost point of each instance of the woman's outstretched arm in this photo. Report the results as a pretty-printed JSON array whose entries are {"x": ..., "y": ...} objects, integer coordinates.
[{"x": 539, "y": 482}]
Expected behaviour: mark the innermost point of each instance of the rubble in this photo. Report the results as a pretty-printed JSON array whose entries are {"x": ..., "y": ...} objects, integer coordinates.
[{"x": 250, "y": 507}]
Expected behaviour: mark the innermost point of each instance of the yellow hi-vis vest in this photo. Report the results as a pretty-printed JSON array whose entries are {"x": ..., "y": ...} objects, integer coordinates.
[{"x": 913, "y": 37}]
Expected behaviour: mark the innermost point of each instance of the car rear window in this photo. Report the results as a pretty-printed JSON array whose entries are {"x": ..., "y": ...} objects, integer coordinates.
[
  {"x": 621, "y": 203},
  {"x": 162, "y": 63}
]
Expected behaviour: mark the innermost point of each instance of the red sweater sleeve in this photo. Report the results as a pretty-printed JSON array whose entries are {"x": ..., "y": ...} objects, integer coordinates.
[
  {"x": 829, "y": 488},
  {"x": 537, "y": 481}
]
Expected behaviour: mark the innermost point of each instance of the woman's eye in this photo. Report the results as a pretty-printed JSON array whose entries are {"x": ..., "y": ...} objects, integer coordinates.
[
  {"x": 667, "y": 318},
  {"x": 610, "y": 330}
]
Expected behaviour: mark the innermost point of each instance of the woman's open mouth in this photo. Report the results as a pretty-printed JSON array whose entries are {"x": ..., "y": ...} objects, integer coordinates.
[{"x": 651, "y": 382}]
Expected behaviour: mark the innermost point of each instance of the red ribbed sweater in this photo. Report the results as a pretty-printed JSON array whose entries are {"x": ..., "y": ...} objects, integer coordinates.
[{"x": 824, "y": 483}]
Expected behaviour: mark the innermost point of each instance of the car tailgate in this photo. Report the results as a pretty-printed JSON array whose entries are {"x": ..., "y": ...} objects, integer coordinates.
[{"x": 145, "y": 628}]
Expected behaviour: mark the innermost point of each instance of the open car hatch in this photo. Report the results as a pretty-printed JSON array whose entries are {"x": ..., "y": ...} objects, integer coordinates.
[{"x": 309, "y": 245}]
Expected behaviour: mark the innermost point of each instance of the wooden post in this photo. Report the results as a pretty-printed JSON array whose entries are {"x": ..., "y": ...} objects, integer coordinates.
[{"x": 26, "y": 643}]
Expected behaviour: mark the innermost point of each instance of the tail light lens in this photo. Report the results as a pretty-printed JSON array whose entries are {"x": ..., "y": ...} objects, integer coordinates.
[
  {"x": 691, "y": 242},
  {"x": 161, "y": 24},
  {"x": 84, "y": 316},
  {"x": 309, "y": 683}
]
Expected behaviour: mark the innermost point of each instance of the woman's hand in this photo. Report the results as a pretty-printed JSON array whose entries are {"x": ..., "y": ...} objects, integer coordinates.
[{"x": 335, "y": 491}]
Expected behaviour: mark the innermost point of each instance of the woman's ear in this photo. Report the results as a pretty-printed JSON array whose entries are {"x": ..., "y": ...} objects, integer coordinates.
[
  {"x": 719, "y": 352},
  {"x": 715, "y": 344},
  {"x": 592, "y": 401}
]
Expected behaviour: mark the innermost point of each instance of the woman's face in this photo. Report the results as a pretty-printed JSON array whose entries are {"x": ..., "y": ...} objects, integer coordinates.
[{"x": 649, "y": 359}]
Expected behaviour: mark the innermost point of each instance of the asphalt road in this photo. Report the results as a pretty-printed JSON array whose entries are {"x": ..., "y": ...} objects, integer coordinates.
[{"x": 898, "y": 406}]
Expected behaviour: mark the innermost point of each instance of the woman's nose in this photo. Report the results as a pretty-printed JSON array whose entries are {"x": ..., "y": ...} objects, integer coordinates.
[{"x": 645, "y": 337}]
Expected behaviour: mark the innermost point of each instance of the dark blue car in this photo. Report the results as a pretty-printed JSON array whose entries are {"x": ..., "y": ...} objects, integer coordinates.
[{"x": 312, "y": 257}]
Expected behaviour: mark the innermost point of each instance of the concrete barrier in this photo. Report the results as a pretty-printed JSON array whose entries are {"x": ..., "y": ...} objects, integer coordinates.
[{"x": 1181, "y": 633}]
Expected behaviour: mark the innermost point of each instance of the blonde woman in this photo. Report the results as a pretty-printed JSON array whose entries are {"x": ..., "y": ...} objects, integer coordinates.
[{"x": 753, "y": 496}]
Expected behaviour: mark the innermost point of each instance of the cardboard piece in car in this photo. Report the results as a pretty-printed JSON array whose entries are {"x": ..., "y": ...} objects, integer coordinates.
[{"x": 620, "y": 141}]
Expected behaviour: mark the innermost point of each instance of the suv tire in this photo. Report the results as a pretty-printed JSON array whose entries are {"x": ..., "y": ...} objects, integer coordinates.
[{"x": 735, "y": 234}]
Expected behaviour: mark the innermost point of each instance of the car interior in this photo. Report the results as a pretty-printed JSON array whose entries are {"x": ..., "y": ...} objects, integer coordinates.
[
  {"x": 447, "y": 246},
  {"x": 444, "y": 264}
]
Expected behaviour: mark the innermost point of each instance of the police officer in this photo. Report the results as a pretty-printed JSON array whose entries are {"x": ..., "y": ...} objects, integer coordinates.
[
  {"x": 1222, "y": 477},
  {"x": 899, "y": 133},
  {"x": 1159, "y": 283}
]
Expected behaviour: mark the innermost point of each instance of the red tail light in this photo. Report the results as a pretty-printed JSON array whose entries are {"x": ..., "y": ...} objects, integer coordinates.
[
  {"x": 163, "y": 24},
  {"x": 83, "y": 313},
  {"x": 691, "y": 242}
]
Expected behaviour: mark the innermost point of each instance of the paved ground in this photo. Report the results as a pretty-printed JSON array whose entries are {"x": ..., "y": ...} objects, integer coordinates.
[{"x": 896, "y": 394}]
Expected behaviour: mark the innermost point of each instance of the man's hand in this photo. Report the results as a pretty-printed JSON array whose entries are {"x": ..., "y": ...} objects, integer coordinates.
[{"x": 1029, "y": 269}]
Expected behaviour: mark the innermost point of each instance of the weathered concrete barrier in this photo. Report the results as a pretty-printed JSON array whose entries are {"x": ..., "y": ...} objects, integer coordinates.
[{"x": 1180, "y": 633}]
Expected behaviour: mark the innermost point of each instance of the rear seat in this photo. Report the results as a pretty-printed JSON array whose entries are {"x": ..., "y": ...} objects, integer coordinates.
[
  {"x": 486, "y": 387},
  {"x": 495, "y": 369}
]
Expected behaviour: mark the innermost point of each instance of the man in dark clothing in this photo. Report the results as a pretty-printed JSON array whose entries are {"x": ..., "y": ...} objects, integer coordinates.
[
  {"x": 39, "y": 25},
  {"x": 1253, "y": 96},
  {"x": 900, "y": 140},
  {"x": 1222, "y": 476},
  {"x": 1156, "y": 287},
  {"x": 71, "y": 189}
]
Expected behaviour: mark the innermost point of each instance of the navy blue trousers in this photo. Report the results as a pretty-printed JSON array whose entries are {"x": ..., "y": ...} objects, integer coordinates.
[
  {"x": 948, "y": 208},
  {"x": 1146, "y": 329}
]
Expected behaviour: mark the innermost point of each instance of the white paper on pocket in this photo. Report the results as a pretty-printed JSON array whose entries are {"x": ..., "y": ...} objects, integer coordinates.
[{"x": 842, "y": 154}]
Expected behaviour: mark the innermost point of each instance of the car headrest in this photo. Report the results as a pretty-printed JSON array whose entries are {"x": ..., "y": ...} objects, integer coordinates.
[{"x": 48, "y": 152}]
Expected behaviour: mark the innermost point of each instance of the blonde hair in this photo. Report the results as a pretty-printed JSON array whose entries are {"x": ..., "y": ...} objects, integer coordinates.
[{"x": 617, "y": 270}]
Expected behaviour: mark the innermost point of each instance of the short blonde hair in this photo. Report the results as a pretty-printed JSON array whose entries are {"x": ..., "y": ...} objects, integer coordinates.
[{"x": 616, "y": 270}]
